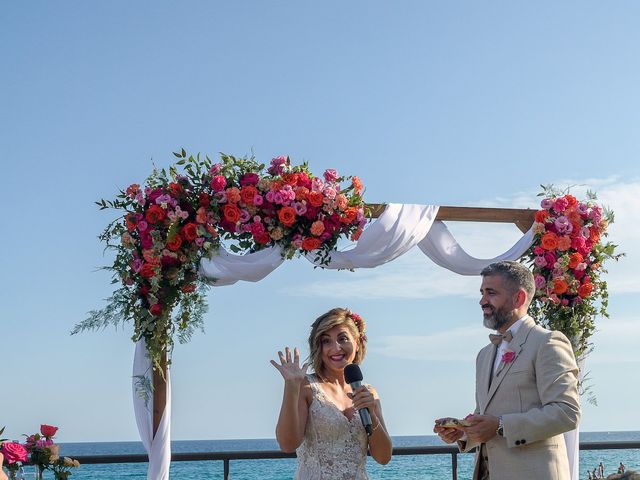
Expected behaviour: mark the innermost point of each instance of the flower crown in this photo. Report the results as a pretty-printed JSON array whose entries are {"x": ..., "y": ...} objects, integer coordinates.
[{"x": 360, "y": 325}]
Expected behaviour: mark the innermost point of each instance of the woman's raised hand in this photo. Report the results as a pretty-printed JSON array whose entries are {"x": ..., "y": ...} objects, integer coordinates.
[{"x": 290, "y": 369}]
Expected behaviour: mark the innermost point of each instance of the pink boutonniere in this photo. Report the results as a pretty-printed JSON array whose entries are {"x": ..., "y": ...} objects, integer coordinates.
[{"x": 508, "y": 356}]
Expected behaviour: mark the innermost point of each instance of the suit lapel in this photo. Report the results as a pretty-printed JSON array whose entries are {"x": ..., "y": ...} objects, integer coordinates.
[
  {"x": 485, "y": 375},
  {"x": 517, "y": 345}
]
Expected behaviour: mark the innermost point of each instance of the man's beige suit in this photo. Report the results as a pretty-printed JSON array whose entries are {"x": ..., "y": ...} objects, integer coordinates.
[{"x": 537, "y": 396}]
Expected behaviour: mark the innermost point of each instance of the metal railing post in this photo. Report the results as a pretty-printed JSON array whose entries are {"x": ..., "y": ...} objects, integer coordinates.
[
  {"x": 454, "y": 465},
  {"x": 226, "y": 469}
]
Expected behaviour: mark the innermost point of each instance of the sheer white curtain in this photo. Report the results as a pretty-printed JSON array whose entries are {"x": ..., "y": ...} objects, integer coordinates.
[{"x": 398, "y": 229}]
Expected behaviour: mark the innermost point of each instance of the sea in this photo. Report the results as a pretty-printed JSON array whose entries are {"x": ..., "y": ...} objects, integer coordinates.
[{"x": 422, "y": 467}]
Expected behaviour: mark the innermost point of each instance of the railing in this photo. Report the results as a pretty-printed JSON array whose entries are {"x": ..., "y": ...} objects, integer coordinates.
[{"x": 226, "y": 457}]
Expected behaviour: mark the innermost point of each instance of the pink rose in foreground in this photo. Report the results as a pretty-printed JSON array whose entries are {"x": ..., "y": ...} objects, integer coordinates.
[
  {"x": 508, "y": 356},
  {"x": 14, "y": 452},
  {"x": 48, "y": 430}
]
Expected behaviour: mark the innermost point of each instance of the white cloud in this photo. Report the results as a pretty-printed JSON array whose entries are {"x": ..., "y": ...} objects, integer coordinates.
[{"x": 414, "y": 276}]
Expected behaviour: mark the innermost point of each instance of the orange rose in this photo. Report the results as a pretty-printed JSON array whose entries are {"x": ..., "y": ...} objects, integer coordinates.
[
  {"x": 287, "y": 216},
  {"x": 594, "y": 235},
  {"x": 575, "y": 259},
  {"x": 564, "y": 243},
  {"x": 549, "y": 241},
  {"x": 559, "y": 286},
  {"x": 290, "y": 178},
  {"x": 301, "y": 193},
  {"x": 585, "y": 290},
  {"x": 315, "y": 199},
  {"x": 233, "y": 195},
  {"x": 349, "y": 215},
  {"x": 311, "y": 243},
  {"x": 574, "y": 217},
  {"x": 276, "y": 185},
  {"x": 541, "y": 216},
  {"x": 571, "y": 200},
  {"x": 247, "y": 193},
  {"x": 231, "y": 213},
  {"x": 317, "y": 228}
]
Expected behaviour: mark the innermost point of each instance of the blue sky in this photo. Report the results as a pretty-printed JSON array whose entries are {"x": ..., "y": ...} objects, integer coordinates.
[{"x": 447, "y": 103}]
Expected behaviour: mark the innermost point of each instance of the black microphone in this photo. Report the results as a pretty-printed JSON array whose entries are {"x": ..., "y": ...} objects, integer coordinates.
[{"x": 353, "y": 376}]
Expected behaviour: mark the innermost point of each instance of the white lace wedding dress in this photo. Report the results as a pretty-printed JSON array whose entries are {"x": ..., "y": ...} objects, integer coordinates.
[{"x": 334, "y": 447}]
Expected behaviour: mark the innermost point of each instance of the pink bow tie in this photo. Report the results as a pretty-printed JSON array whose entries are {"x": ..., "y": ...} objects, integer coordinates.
[{"x": 496, "y": 338}]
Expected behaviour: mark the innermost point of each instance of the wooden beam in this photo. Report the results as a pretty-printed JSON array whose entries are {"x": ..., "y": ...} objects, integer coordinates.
[
  {"x": 159, "y": 393},
  {"x": 522, "y": 217}
]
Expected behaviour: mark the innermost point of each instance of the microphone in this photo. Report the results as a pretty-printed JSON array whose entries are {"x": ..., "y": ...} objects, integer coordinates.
[{"x": 353, "y": 376}]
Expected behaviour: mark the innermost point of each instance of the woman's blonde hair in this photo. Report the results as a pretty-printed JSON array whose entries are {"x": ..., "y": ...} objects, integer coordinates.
[{"x": 337, "y": 316}]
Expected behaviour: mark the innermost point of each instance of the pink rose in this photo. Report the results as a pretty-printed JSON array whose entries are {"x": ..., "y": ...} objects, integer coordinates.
[
  {"x": 547, "y": 203},
  {"x": 249, "y": 179},
  {"x": 508, "y": 356},
  {"x": 540, "y": 282},
  {"x": 218, "y": 183},
  {"x": 560, "y": 204},
  {"x": 540, "y": 261},
  {"x": 13, "y": 452},
  {"x": 48, "y": 430},
  {"x": 330, "y": 175}
]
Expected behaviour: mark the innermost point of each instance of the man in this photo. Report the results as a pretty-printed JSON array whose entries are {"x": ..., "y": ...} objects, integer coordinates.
[{"x": 526, "y": 387}]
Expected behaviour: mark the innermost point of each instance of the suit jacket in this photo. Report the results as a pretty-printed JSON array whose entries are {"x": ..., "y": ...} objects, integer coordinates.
[{"x": 537, "y": 396}]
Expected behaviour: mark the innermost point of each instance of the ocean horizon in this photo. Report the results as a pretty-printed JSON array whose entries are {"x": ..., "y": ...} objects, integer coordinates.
[{"x": 410, "y": 467}]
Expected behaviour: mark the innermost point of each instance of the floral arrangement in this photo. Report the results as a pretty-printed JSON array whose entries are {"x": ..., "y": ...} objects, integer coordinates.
[
  {"x": 567, "y": 257},
  {"x": 41, "y": 447},
  {"x": 40, "y": 450},
  {"x": 175, "y": 219}
]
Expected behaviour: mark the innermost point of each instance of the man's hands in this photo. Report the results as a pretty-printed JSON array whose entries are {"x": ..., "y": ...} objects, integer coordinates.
[{"x": 483, "y": 428}]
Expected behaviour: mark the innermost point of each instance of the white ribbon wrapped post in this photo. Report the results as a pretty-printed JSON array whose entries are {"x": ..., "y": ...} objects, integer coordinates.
[{"x": 159, "y": 447}]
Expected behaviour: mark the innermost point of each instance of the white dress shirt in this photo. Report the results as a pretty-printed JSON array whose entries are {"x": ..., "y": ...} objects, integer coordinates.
[{"x": 504, "y": 345}]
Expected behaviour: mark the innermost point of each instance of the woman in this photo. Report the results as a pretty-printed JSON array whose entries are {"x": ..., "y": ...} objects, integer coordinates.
[
  {"x": 3, "y": 476},
  {"x": 318, "y": 418}
]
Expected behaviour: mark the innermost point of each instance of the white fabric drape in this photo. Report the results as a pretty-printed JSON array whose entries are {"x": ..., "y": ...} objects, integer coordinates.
[
  {"x": 159, "y": 447},
  {"x": 398, "y": 229}
]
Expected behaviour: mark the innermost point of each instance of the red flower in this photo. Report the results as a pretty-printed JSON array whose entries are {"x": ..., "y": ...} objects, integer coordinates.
[
  {"x": 311, "y": 243},
  {"x": 175, "y": 189},
  {"x": 585, "y": 290},
  {"x": 190, "y": 287},
  {"x": 508, "y": 356},
  {"x": 130, "y": 221},
  {"x": 175, "y": 243},
  {"x": 559, "y": 286},
  {"x": 315, "y": 199},
  {"x": 218, "y": 183},
  {"x": 231, "y": 213},
  {"x": 287, "y": 216},
  {"x": 247, "y": 193},
  {"x": 204, "y": 200},
  {"x": 190, "y": 231},
  {"x": 549, "y": 241},
  {"x": 48, "y": 430},
  {"x": 148, "y": 270},
  {"x": 262, "y": 237},
  {"x": 156, "y": 309},
  {"x": 541, "y": 216},
  {"x": 155, "y": 214},
  {"x": 249, "y": 179}
]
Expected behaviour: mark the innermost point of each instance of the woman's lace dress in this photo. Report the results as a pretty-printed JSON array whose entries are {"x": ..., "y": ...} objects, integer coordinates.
[{"x": 334, "y": 447}]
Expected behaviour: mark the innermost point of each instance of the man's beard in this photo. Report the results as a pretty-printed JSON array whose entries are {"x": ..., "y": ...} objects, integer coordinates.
[{"x": 499, "y": 318}]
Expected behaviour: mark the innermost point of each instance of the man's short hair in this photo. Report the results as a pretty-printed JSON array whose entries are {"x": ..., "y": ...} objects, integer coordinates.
[{"x": 515, "y": 274}]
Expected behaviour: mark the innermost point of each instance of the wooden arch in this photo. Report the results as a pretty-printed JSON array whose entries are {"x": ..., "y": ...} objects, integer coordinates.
[{"x": 522, "y": 218}]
